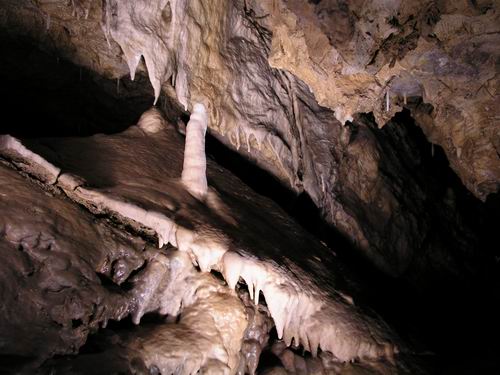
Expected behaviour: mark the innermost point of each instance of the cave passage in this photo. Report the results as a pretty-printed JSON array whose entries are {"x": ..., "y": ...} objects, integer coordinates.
[{"x": 46, "y": 96}]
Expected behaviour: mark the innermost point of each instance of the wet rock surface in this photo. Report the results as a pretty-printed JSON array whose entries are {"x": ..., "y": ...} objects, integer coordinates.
[
  {"x": 230, "y": 231},
  {"x": 54, "y": 255},
  {"x": 66, "y": 274},
  {"x": 97, "y": 162}
]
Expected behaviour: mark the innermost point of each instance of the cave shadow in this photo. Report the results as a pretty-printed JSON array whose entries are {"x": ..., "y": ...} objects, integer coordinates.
[
  {"x": 449, "y": 312},
  {"x": 300, "y": 206},
  {"x": 53, "y": 104},
  {"x": 44, "y": 95}
]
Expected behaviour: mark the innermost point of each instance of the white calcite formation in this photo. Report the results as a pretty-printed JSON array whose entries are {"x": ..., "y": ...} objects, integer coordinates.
[
  {"x": 194, "y": 170},
  {"x": 208, "y": 334},
  {"x": 151, "y": 121},
  {"x": 145, "y": 193},
  {"x": 28, "y": 160},
  {"x": 160, "y": 41}
]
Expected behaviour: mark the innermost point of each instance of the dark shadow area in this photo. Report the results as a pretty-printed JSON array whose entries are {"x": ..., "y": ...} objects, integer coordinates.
[
  {"x": 258, "y": 179},
  {"x": 13, "y": 364},
  {"x": 43, "y": 95},
  {"x": 454, "y": 317},
  {"x": 107, "y": 350},
  {"x": 299, "y": 206},
  {"x": 267, "y": 358}
]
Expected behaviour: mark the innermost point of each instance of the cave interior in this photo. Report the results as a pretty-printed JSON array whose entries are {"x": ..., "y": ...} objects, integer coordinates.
[{"x": 249, "y": 187}]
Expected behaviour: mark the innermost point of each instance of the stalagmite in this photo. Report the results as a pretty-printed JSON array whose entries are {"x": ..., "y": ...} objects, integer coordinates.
[
  {"x": 387, "y": 103},
  {"x": 151, "y": 121},
  {"x": 195, "y": 163}
]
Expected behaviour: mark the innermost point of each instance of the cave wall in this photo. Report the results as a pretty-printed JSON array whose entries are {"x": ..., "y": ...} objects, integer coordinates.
[
  {"x": 280, "y": 80},
  {"x": 354, "y": 54}
]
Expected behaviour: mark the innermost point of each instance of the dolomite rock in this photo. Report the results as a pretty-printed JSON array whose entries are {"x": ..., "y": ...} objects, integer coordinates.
[{"x": 261, "y": 68}]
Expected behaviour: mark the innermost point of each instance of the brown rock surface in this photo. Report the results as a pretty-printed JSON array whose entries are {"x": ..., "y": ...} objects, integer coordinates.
[
  {"x": 262, "y": 68},
  {"x": 351, "y": 54}
]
